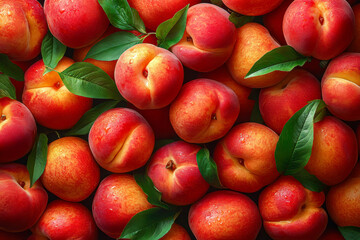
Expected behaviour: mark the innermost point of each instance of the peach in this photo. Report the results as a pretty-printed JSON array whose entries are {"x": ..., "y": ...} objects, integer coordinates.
[
  {"x": 252, "y": 42},
  {"x": 117, "y": 199},
  {"x": 343, "y": 201},
  {"x": 65, "y": 220},
  {"x": 204, "y": 111},
  {"x": 340, "y": 86},
  {"x": 71, "y": 172},
  {"x": 17, "y": 130},
  {"x": 252, "y": 8},
  {"x": 245, "y": 157},
  {"x": 334, "y": 152},
  {"x": 278, "y": 103},
  {"x": 290, "y": 211},
  {"x": 48, "y": 99},
  {"x": 70, "y": 22},
  {"x": 224, "y": 215},
  {"x": 22, "y": 28},
  {"x": 21, "y": 205},
  {"x": 355, "y": 44},
  {"x": 174, "y": 171},
  {"x": 222, "y": 75},
  {"x": 160, "y": 10},
  {"x": 148, "y": 76},
  {"x": 177, "y": 232},
  {"x": 319, "y": 28},
  {"x": 208, "y": 40},
  {"x": 121, "y": 140}
]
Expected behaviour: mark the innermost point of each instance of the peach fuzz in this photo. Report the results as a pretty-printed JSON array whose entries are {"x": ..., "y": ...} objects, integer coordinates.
[
  {"x": 343, "y": 200},
  {"x": 340, "y": 86},
  {"x": 290, "y": 211},
  {"x": 319, "y": 28},
  {"x": 71, "y": 172},
  {"x": 224, "y": 215},
  {"x": 46, "y": 97},
  {"x": 253, "y": 7},
  {"x": 174, "y": 171},
  {"x": 223, "y": 76},
  {"x": 278, "y": 103},
  {"x": 208, "y": 40},
  {"x": 22, "y": 28},
  {"x": 355, "y": 44},
  {"x": 204, "y": 111},
  {"x": 65, "y": 220},
  {"x": 245, "y": 157},
  {"x": 253, "y": 41},
  {"x": 121, "y": 140},
  {"x": 21, "y": 206},
  {"x": 70, "y": 22},
  {"x": 17, "y": 130},
  {"x": 334, "y": 152},
  {"x": 117, "y": 199},
  {"x": 177, "y": 232},
  {"x": 148, "y": 76}
]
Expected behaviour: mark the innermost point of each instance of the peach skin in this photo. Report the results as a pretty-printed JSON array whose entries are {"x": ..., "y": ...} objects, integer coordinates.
[
  {"x": 17, "y": 130},
  {"x": 208, "y": 40},
  {"x": 290, "y": 211},
  {"x": 121, "y": 140}
]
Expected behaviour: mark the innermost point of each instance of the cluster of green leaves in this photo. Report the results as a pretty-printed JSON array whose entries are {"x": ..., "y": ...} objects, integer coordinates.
[{"x": 9, "y": 70}]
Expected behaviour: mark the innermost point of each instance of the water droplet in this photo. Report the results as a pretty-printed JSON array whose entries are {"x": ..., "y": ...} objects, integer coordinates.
[{"x": 62, "y": 10}]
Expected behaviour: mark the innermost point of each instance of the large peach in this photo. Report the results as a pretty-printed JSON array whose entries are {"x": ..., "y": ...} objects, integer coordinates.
[
  {"x": 252, "y": 42},
  {"x": 117, "y": 199},
  {"x": 253, "y": 7},
  {"x": 334, "y": 152},
  {"x": 71, "y": 172},
  {"x": 245, "y": 157},
  {"x": 22, "y": 28},
  {"x": 17, "y": 130},
  {"x": 21, "y": 205},
  {"x": 290, "y": 211},
  {"x": 208, "y": 40},
  {"x": 121, "y": 140},
  {"x": 160, "y": 10},
  {"x": 65, "y": 220},
  {"x": 48, "y": 99},
  {"x": 222, "y": 75},
  {"x": 343, "y": 200},
  {"x": 319, "y": 28},
  {"x": 204, "y": 111},
  {"x": 278, "y": 103},
  {"x": 340, "y": 86},
  {"x": 148, "y": 76},
  {"x": 70, "y": 22},
  {"x": 224, "y": 215},
  {"x": 175, "y": 173}
]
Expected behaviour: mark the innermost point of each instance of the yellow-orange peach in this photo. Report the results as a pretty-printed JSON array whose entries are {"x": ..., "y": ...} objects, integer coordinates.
[{"x": 177, "y": 232}]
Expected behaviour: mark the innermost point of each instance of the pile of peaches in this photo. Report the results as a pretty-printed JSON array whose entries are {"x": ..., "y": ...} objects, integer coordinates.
[{"x": 179, "y": 119}]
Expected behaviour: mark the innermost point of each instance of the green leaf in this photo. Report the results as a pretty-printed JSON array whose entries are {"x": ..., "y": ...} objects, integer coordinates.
[
  {"x": 147, "y": 185},
  {"x": 150, "y": 224},
  {"x": 37, "y": 158},
  {"x": 7, "y": 89},
  {"x": 111, "y": 47},
  {"x": 85, "y": 79},
  {"x": 350, "y": 233},
  {"x": 255, "y": 112},
  {"x": 122, "y": 16},
  {"x": 309, "y": 181},
  {"x": 283, "y": 58},
  {"x": 52, "y": 51},
  {"x": 11, "y": 69},
  {"x": 217, "y": 2},
  {"x": 240, "y": 20},
  {"x": 172, "y": 30},
  {"x": 83, "y": 126},
  {"x": 208, "y": 168},
  {"x": 293, "y": 149}
]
